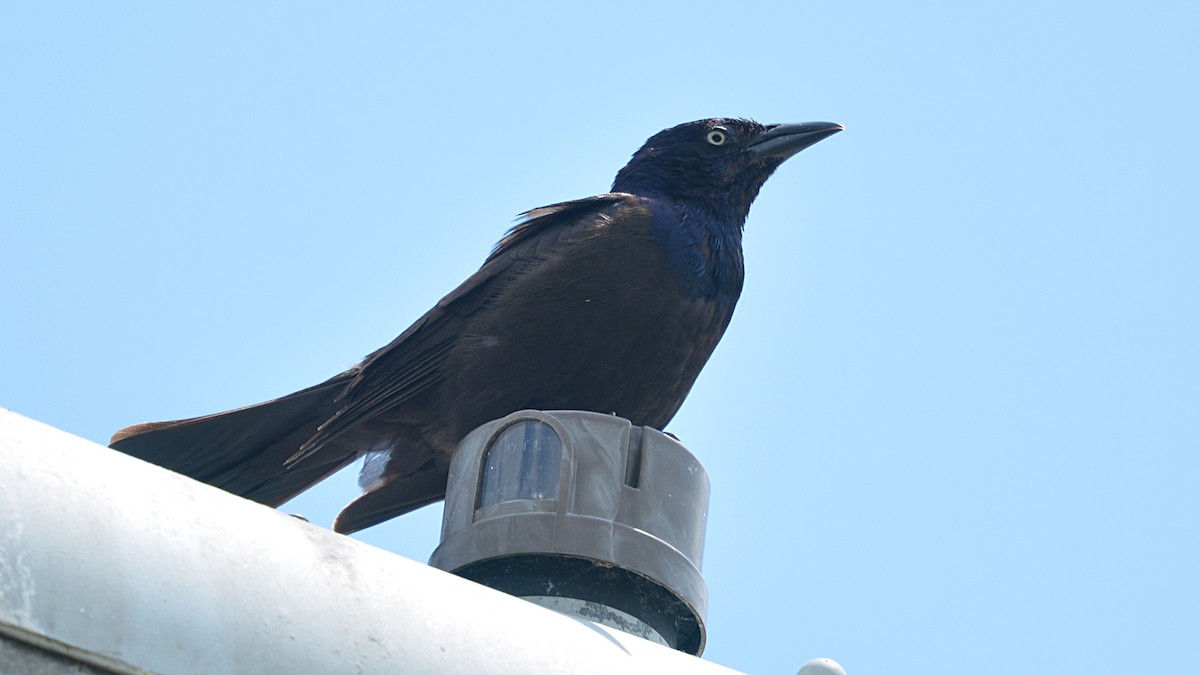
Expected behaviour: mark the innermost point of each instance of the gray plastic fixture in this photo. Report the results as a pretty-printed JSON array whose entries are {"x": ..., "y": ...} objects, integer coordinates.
[{"x": 586, "y": 514}]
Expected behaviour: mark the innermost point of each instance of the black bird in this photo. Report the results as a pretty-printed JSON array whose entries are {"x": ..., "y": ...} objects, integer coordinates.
[{"x": 611, "y": 303}]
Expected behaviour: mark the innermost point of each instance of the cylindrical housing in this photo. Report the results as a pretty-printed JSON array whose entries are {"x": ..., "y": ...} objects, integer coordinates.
[{"x": 587, "y": 507}]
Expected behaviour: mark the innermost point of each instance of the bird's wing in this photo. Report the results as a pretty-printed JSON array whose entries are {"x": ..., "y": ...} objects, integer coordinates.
[
  {"x": 411, "y": 363},
  {"x": 536, "y": 222}
]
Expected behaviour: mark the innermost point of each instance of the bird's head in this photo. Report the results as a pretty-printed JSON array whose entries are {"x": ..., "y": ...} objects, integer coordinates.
[{"x": 716, "y": 164}]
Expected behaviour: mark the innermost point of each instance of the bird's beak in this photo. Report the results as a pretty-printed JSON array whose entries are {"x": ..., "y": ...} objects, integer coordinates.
[{"x": 784, "y": 140}]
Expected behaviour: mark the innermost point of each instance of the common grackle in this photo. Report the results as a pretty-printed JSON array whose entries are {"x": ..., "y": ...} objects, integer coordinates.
[{"x": 611, "y": 303}]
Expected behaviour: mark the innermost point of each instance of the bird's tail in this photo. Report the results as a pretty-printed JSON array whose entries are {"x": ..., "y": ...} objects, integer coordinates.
[
  {"x": 395, "y": 496},
  {"x": 245, "y": 451}
]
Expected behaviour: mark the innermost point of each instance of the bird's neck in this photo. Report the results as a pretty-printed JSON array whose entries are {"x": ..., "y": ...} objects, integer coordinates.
[
  {"x": 720, "y": 209},
  {"x": 704, "y": 248}
]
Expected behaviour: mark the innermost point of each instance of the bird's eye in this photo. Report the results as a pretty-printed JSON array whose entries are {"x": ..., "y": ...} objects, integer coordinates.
[{"x": 717, "y": 137}]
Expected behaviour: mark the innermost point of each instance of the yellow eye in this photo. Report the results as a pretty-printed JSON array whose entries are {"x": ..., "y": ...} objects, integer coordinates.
[{"x": 717, "y": 136}]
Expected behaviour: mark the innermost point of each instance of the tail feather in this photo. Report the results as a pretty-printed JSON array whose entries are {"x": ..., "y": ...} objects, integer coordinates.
[
  {"x": 391, "y": 498},
  {"x": 244, "y": 451}
]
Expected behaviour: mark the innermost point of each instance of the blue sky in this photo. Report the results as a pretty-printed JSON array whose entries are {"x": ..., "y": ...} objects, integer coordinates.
[{"x": 955, "y": 422}]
